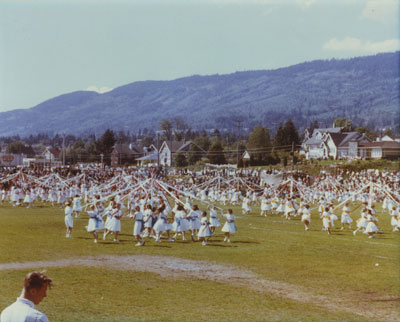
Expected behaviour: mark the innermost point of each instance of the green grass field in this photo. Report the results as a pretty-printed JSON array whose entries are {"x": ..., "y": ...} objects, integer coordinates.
[{"x": 295, "y": 275}]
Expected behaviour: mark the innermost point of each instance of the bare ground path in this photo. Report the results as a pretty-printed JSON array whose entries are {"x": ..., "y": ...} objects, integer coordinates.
[{"x": 370, "y": 305}]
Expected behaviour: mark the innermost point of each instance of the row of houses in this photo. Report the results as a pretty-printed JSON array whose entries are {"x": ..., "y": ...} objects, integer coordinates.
[
  {"x": 336, "y": 143},
  {"x": 322, "y": 143},
  {"x": 50, "y": 156},
  {"x": 122, "y": 152}
]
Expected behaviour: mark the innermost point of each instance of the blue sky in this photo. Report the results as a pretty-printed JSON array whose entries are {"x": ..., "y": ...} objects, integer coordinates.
[{"x": 48, "y": 48}]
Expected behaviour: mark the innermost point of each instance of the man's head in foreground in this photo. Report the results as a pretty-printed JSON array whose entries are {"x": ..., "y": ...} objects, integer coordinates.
[{"x": 35, "y": 286}]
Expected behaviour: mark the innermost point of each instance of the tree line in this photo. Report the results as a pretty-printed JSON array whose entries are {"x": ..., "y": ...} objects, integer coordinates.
[{"x": 217, "y": 147}]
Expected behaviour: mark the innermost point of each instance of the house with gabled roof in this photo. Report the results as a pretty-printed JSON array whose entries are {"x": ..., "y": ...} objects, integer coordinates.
[
  {"x": 51, "y": 154},
  {"x": 311, "y": 146},
  {"x": 123, "y": 153},
  {"x": 169, "y": 148},
  {"x": 333, "y": 143}
]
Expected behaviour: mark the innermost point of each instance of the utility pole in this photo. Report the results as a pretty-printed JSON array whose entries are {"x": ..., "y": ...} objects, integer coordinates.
[
  {"x": 63, "y": 149},
  {"x": 238, "y": 122},
  {"x": 292, "y": 156},
  {"x": 158, "y": 151}
]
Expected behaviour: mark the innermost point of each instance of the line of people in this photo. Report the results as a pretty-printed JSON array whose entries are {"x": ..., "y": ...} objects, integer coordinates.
[{"x": 153, "y": 221}]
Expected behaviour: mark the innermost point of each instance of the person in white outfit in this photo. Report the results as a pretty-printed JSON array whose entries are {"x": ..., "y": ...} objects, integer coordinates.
[
  {"x": 77, "y": 207},
  {"x": 214, "y": 221},
  {"x": 306, "y": 216},
  {"x": 372, "y": 227},
  {"x": 69, "y": 220},
  {"x": 35, "y": 290},
  {"x": 204, "y": 231},
  {"x": 326, "y": 220},
  {"x": 229, "y": 226},
  {"x": 138, "y": 227},
  {"x": 345, "y": 217},
  {"x": 95, "y": 222},
  {"x": 194, "y": 221}
]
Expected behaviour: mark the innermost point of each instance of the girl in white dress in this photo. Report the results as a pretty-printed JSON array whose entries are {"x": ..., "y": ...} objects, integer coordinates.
[
  {"x": 265, "y": 205},
  {"x": 77, "y": 207},
  {"x": 148, "y": 220},
  {"x": 235, "y": 197},
  {"x": 214, "y": 221},
  {"x": 229, "y": 226},
  {"x": 224, "y": 197},
  {"x": 162, "y": 225},
  {"x": 362, "y": 222},
  {"x": 372, "y": 227},
  {"x": 194, "y": 221},
  {"x": 69, "y": 221},
  {"x": 246, "y": 209},
  {"x": 345, "y": 217},
  {"x": 326, "y": 220},
  {"x": 274, "y": 204},
  {"x": 115, "y": 225},
  {"x": 204, "y": 231},
  {"x": 138, "y": 227},
  {"x": 281, "y": 207},
  {"x": 95, "y": 222},
  {"x": 394, "y": 221},
  {"x": 289, "y": 209},
  {"x": 333, "y": 216},
  {"x": 306, "y": 216},
  {"x": 52, "y": 196},
  {"x": 180, "y": 224},
  {"x": 28, "y": 198},
  {"x": 107, "y": 213}
]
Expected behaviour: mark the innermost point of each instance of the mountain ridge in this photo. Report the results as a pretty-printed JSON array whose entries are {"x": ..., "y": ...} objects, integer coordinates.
[{"x": 364, "y": 89}]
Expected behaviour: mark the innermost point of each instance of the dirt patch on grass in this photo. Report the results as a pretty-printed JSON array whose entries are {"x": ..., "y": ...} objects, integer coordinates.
[{"x": 373, "y": 306}]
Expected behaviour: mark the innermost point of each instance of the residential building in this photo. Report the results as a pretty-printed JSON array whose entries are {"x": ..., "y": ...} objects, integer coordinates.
[{"x": 170, "y": 148}]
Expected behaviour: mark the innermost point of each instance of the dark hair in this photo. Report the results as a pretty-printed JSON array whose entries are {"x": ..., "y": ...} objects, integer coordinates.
[{"x": 36, "y": 280}]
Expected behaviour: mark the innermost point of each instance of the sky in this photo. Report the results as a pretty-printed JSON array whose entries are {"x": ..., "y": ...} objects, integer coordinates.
[{"x": 53, "y": 47}]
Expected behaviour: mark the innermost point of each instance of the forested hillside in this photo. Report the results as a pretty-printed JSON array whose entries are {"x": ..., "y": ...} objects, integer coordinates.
[{"x": 363, "y": 89}]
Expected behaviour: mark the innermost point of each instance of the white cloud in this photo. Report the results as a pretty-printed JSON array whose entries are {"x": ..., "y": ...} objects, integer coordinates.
[
  {"x": 100, "y": 90},
  {"x": 381, "y": 10},
  {"x": 356, "y": 44}
]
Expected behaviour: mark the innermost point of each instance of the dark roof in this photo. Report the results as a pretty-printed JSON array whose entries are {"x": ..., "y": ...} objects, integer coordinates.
[
  {"x": 151, "y": 157},
  {"x": 54, "y": 151},
  {"x": 343, "y": 139},
  {"x": 123, "y": 148},
  {"x": 337, "y": 138},
  {"x": 180, "y": 146}
]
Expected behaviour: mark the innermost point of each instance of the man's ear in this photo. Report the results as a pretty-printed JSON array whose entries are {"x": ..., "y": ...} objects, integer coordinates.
[{"x": 33, "y": 291}]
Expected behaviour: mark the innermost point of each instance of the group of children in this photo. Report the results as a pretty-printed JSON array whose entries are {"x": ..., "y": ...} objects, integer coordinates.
[{"x": 150, "y": 221}]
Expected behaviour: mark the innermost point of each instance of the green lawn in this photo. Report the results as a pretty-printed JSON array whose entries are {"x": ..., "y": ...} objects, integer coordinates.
[{"x": 339, "y": 265}]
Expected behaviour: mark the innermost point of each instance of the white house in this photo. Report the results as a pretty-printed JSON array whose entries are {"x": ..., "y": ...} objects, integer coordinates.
[
  {"x": 51, "y": 154},
  {"x": 380, "y": 149},
  {"x": 169, "y": 148},
  {"x": 333, "y": 143},
  {"x": 312, "y": 145}
]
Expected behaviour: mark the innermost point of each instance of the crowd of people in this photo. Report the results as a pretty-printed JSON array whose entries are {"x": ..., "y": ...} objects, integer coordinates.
[{"x": 168, "y": 206}]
